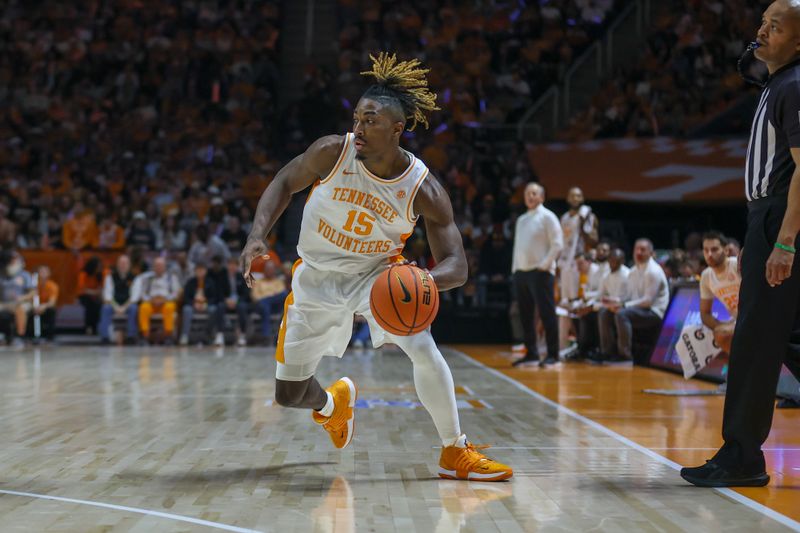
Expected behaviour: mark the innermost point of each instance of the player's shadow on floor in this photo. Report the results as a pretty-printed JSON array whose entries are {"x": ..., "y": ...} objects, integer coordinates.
[
  {"x": 292, "y": 477},
  {"x": 226, "y": 476}
]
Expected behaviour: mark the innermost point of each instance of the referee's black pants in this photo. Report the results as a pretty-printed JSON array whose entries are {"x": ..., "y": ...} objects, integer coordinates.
[
  {"x": 536, "y": 289},
  {"x": 767, "y": 334}
]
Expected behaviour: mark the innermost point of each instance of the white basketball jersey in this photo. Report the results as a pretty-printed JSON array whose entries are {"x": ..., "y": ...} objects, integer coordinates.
[
  {"x": 353, "y": 220},
  {"x": 725, "y": 287}
]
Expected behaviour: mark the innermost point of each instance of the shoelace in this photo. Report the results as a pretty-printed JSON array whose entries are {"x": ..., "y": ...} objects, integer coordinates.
[{"x": 472, "y": 456}]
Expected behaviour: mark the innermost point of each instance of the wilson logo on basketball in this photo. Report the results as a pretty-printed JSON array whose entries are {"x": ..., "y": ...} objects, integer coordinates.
[{"x": 401, "y": 195}]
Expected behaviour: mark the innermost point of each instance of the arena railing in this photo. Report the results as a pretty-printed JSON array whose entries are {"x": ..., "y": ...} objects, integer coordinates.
[{"x": 621, "y": 42}]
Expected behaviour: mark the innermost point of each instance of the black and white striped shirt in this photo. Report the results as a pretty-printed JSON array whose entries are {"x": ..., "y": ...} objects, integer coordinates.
[{"x": 776, "y": 129}]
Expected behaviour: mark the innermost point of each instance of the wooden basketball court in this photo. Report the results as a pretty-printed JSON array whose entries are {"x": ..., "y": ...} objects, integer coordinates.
[{"x": 187, "y": 439}]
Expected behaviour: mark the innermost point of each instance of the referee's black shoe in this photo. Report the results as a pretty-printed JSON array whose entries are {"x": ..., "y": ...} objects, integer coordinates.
[
  {"x": 713, "y": 474},
  {"x": 527, "y": 360},
  {"x": 548, "y": 361}
]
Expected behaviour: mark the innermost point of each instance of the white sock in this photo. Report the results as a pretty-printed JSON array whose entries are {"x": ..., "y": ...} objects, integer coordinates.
[
  {"x": 459, "y": 442},
  {"x": 434, "y": 383},
  {"x": 328, "y": 409}
]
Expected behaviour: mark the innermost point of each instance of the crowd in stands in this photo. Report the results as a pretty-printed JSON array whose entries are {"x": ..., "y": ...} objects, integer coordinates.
[
  {"x": 489, "y": 61},
  {"x": 120, "y": 301},
  {"x": 121, "y": 108},
  {"x": 687, "y": 74}
]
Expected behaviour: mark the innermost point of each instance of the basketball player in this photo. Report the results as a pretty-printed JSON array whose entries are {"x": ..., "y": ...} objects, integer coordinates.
[
  {"x": 720, "y": 280},
  {"x": 767, "y": 330},
  {"x": 579, "y": 226},
  {"x": 368, "y": 194}
]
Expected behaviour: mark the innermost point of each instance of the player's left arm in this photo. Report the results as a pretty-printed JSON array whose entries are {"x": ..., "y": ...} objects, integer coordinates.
[
  {"x": 779, "y": 264},
  {"x": 433, "y": 204}
]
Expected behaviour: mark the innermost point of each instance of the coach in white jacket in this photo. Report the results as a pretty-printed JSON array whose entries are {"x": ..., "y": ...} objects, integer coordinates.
[{"x": 538, "y": 241}]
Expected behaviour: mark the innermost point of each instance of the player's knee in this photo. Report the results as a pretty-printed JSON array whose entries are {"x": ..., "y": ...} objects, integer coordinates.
[
  {"x": 425, "y": 355},
  {"x": 288, "y": 393}
]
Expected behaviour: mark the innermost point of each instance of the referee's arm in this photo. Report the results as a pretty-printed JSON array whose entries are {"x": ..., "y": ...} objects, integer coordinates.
[{"x": 779, "y": 264}]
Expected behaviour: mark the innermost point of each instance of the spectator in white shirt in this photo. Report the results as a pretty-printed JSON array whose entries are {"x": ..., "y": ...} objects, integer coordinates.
[
  {"x": 601, "y": 260},
  {"x": 538, "y": 241},
  {"x": 157, "y": 291},
  {"x": 643, "y": 309},
  {"x": 614, "y": 287},
  {"x": 582, "y": 308}
]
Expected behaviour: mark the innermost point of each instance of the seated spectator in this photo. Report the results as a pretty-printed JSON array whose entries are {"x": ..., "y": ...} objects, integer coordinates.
[
  {"x": 575, "y": 295},
  {"x": 90, "y": 293},
  {"x": 140, "y": 233},
  {"x": 117, "y": 301},
  {"x": 643, "y": 309},
  {"x": 206, "y": 246},
  {"x": 614, "y": 286},
  {"x": 80, "y": 229},
  {"x": 15, "y": 283},
  {"x": 219, "y": 273},
  {"x": 157, "y": 291},
  {"x": 236, "y": 291},
  {"x": 111, "y": 236},
  {"x": 173, "y": 238},
  {"x": 267, "y": 295},
  {"x": 202, "y": 294},
  {"x": 47, "y": 290},
  {"x": 601, "y": 253},
  {"x": 179, "y": 265},
  {"x": 582, "y": 308}
]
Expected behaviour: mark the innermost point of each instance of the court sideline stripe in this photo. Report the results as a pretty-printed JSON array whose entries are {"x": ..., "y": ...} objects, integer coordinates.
[
  {"x": 147, "y": 512},
  {"x": 744, "y": 500}
]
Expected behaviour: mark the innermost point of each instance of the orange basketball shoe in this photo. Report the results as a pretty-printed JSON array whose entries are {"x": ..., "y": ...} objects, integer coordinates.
[
  {"x": 341, "y": 424},
  {"x": 470, "y": 464}
]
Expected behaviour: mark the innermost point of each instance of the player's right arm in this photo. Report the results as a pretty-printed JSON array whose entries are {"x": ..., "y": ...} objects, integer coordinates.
[{"x": 315, "y": 163}]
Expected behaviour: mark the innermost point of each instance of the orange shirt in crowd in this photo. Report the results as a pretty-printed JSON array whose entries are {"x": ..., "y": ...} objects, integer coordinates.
[
  {"x": 80, "y": 232},
  {"x": 48, "y": 291},
  {"x": 86, "y": 282}
]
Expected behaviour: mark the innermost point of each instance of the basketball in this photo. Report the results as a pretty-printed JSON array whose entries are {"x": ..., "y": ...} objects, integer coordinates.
[
  {"x": 257, "y": 265},
  {"x": 404, "y": 300}
]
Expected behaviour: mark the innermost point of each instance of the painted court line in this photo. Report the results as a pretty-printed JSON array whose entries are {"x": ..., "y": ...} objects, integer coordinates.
[
  {"x": 147, "y": 512},
  {"x": 625, "y": 448},
  {"x": 766, "y": 511}
]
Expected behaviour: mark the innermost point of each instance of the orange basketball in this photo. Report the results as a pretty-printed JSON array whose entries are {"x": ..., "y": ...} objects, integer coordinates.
[{"x": 404, "y": 300}]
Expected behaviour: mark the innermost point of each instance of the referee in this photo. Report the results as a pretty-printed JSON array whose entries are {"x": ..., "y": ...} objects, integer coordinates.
[{"x": 767, "y": 332}]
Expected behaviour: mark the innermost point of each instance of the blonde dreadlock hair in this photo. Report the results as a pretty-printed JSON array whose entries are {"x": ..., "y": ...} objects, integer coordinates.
[{"x": 403, "y": 82}]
